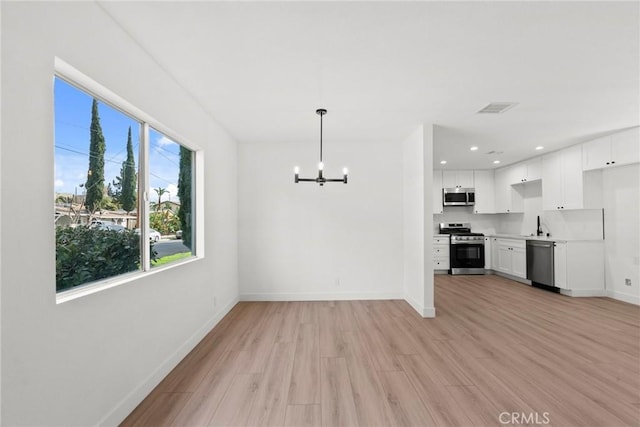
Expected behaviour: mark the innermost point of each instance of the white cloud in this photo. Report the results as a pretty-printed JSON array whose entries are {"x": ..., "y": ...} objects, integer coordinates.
[
  {"x": 173, "y": 191},
  {"x": 58, "y": 183},
  {"x": 164, "y": 141}
]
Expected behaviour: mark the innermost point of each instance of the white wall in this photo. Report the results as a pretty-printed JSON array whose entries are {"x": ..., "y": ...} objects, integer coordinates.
[
  {"x": 302, "y": 241},
  {"x": 413, "y": 213},
  {"x": 91, "y": 360},
  {"x": 428, "y": 136},
  {"x": 622, "y": 231}
]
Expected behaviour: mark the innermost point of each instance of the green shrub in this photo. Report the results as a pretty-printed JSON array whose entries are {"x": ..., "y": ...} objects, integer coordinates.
[
  {"x": 85, "y": 254},
  {"x": 164, "y": 222}
]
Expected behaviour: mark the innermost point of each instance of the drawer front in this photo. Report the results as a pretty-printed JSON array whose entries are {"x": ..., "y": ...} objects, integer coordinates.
[
  {"x": 441, "y": 241},
  {"x": 441, "y": 251},
  {"x": 441, "y": 264}
]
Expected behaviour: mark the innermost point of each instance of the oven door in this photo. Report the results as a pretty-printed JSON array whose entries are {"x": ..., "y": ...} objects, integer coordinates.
[{"x": 467, "y": 258}]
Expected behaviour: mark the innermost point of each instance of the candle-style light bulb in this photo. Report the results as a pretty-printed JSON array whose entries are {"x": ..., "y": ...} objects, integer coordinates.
[
  {"x": 321, "y": 166},
  {"x": 345, "y": 171},
  {"x": 296, "y": 170}
]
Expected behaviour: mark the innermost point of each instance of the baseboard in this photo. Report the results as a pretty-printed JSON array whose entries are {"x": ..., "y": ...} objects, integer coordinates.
[
  {"x": 312, "y": 296},
  {"x": 584, "y": 292},
  {"x": 137, "y": 395},
  {"x": 509, "y": 276},
  {"x": 422, "y": 311},
  {"x": 620, "y": 296}
]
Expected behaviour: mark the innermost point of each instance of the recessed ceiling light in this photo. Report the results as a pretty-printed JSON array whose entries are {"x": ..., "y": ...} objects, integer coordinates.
[
  {"x": 443, "y": 162},
  {"x": 495, "y": 162},
  {"x": 539, "y": 147},
  {"x": 474, "y": 148}
]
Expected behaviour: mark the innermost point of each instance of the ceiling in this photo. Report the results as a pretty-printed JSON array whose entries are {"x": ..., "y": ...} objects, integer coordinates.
[{"x": 382, "y": 68}]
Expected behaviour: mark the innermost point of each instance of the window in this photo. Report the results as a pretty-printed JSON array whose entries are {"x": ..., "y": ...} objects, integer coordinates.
[
  {"x": 108, "y": 201},
  {"x": 170, "y": 180}
]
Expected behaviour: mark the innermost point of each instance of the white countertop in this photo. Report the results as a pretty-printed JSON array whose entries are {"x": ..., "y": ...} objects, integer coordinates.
[{"x": 543, "y": 238}]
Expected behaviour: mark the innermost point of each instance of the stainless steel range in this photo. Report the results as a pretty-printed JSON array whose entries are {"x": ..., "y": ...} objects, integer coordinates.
[{"x": 466, "y": 249}]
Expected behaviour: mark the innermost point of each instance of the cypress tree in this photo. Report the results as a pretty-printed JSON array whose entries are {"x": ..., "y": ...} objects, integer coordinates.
[
  {"x": 95, "y": 175},
  {"x": 128, "y": 197},
  {"x": 184, "y": 193}
]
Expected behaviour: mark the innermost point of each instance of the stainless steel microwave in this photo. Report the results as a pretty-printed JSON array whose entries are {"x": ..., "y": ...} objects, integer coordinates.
[{"x": 458, "y": 196}]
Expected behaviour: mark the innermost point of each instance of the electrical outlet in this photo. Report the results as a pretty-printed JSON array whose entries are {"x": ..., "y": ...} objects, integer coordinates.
[
  {"x": 337, "y": 283},
  {"x": 627, "y": 282}
]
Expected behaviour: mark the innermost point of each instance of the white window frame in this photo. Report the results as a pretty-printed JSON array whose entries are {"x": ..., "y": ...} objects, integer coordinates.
[{"x": 76, "y": 78}]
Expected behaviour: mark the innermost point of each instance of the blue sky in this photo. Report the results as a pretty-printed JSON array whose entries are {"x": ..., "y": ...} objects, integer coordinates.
[{"x": 72, "y": 112}]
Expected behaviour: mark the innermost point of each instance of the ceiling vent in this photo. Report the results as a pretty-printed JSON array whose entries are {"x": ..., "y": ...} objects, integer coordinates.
[{"x": 497, "y": 107}]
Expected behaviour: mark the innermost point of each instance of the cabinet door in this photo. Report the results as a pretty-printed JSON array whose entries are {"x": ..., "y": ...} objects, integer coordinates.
[
  {"x": 573, "y": 194},
  {"x": 534, "y": 169},
  {"x": 502, "y": 190},
  {"x": 461, "y": 179},
  {"x": 504, "y": 257},
  {"x": 596, "y": 153},
  {"x": 517, "y": 173},
  {"x": 437, "y": 192},
  {"x": 449, "y": 179},
  {"x": 485, "y": 193},
  {"x": 625, "y": 147},
  {"x": 552, "y": 181},
  {"x": 487, "y": 253},
  {"x": 494, "y": 253},
  {"x": 560, "y": 265},
  {"x": 465, "y": 179},
  {"x": 519, "y": 261}
]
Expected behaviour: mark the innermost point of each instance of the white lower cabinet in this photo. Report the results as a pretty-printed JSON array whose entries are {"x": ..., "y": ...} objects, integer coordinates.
[
  {"x": 441, "y": 252},
  {"x": 487, "y": 253},
  {"x": 579, "y": 267},
  {"x": 512, "y": 257}
]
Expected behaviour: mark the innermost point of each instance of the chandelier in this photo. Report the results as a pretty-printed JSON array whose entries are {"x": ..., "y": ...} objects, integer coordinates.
[{"x": 320, "y": 179}]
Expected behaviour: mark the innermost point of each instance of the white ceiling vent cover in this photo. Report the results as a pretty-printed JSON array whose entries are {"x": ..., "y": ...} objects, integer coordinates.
[{"x": 497, "y": 107}]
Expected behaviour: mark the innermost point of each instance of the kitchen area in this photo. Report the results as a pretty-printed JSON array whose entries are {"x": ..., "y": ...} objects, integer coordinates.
[{"x": 565, "y": 221}]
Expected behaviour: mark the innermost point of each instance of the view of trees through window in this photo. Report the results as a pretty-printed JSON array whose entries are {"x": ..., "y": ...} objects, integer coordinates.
[{"x": 97, "y": 198}]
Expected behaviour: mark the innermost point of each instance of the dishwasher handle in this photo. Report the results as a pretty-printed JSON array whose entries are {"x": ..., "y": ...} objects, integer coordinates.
[{"x": 541, "y": 244}]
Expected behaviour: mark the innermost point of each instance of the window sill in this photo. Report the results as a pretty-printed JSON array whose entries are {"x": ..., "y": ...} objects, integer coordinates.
[{"x": 92, "y": 288}]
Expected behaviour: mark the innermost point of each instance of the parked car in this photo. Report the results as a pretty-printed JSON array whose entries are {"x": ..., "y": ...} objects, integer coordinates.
[
  {"x": 107, "y": 225},
  {"x": 179, "y": 234},
  {"x": 154, "y": 235}
]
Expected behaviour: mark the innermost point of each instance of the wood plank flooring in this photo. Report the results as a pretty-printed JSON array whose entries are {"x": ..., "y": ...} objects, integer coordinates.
[{"x": 497, "y": 349}]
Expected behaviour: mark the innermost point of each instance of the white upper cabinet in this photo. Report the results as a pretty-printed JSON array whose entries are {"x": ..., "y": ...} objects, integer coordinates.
[
  {"x": 562, "y": 182},
  {"x": 619, "y": 149},
  {"x": 457, "y": 179},
  {"x": 534, "y": 169},
  {"x": 485, "y": 192},
  {"x": 437, "y": 192},
  {"x": 529, "y": 170},
  {"x": 507, "y": 198}
]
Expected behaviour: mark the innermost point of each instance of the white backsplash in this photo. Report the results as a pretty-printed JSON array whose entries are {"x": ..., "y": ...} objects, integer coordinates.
[{"x": 480, "y": 223}]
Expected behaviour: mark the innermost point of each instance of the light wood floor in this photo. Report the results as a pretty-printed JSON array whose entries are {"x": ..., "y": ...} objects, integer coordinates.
[{"x": 495, "y": 347}]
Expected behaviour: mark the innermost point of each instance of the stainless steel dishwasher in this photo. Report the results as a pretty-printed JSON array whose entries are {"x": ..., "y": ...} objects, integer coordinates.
[{"x": 540, "y": 263}]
